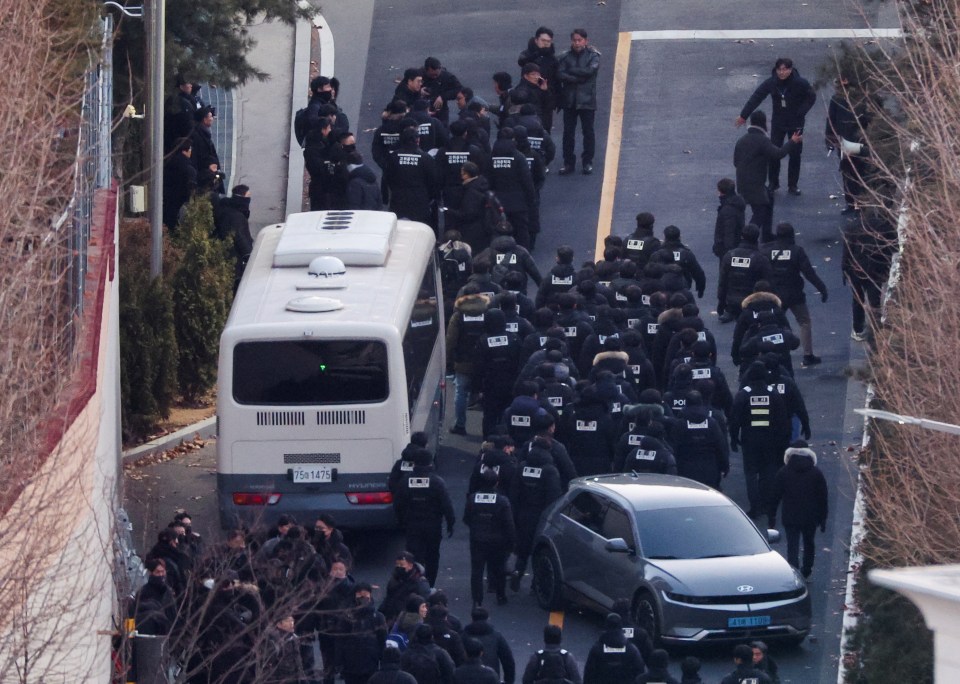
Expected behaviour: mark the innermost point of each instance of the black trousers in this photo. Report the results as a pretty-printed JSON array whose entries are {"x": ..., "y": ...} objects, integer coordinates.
[
  {"x": 808, "y": 532},
  {"x": 490, "y": 557},
  {"x": 761, "y": 215},
  {"x": 777, "y": 136},
  {"x": 425, "y": 547},
  {"x": 586, "y": 117}
]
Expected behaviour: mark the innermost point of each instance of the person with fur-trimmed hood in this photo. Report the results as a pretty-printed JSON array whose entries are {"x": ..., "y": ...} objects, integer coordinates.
[
  {"x": 465, "y": 328},
  {"x": 801, "y": 489},
  {"x": 762, "y": 300}
]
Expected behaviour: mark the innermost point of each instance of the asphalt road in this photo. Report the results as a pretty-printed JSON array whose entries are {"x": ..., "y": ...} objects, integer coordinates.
[{"x": 681, "y": 97}]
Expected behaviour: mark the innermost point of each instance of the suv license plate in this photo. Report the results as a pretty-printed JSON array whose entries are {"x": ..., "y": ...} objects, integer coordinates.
[
  {"x": 753, "y": 621},
  {"x": 313, "y": 474}
]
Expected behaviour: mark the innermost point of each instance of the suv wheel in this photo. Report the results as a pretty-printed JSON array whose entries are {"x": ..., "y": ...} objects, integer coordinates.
[
  {"x": 645, "y": 615},
  {"x": 546, "y": 580}
]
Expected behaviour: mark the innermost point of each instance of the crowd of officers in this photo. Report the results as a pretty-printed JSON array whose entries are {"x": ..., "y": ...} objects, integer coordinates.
[
  {"x": 431, "y": 163},
  {"x": 259, "y": 608},
  {"x": 601, "y": 367}
]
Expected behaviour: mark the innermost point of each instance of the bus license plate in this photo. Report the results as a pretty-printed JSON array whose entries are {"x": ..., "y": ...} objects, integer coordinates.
[
  {"x": 313, "y": 474},
  {"x": 754, "y": 621}
]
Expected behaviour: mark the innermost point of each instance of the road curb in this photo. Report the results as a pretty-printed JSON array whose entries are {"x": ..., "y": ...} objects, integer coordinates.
[{"x": 205, "y": 429}]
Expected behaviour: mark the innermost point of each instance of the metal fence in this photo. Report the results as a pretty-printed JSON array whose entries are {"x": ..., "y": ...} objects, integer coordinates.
[{"x": 93, "y": 170}]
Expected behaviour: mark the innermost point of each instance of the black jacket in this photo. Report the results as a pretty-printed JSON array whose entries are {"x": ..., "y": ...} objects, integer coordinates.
[
  {"x": 496, "y": 359},
  {"x": 759, "y": 419},
  {"x": 179, "y": 184},
  {"x": 751, "y": 157},
  {"x": 363, "y": 189},
  {"x": 204, "y": 150},
  {"x": 445, "y": 86},
  {"x": 612, "y": 659},
  {"x": 730, "y": 222},
  {"x": 412, "y": 183},
  {"x": 578, "y": 73},
  {"x": 505, "y": 255},
  {"x": 422, "y": 502},
  {"x": 677, "y": 253},
  {"x": 641, "y": 453},
  {"x": 546, "y": 59},
  {"x": 510, "y": 177},
  {"x": 791, "y": 98},
  {"x": 360, "y": 645},
  {"x": 490, "y": 518},
  {"x": 640, "y": 245},
  {"x": 801, "y": 489},
  {"x": 749, "y": 320},
  {"x": 474, "y": 671},
  {"x": 231, "y": 218},
  {"x": 468, "y": 217},
  {"x": 789, "y": 265},
  {"x": 387, "y": 138},
  {"x": 740, "y": 269},
  {"x": 700, "y": 446},
  {"x": 496, "y": 650},
  {"x": 590, "y": 435}
]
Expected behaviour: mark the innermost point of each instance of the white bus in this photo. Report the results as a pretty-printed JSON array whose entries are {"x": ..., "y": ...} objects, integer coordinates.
[{"x": 325, "y": 371}]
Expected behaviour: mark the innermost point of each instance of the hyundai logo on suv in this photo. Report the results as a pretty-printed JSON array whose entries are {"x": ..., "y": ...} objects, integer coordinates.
[{"x": 744, "y": 588}]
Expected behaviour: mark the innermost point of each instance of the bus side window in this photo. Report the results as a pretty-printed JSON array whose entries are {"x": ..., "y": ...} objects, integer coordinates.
[{"x": 422, "y": 334}]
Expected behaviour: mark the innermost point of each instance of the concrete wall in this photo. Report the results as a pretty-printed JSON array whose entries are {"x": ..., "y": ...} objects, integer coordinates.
[{"x": 56, "y": 541}]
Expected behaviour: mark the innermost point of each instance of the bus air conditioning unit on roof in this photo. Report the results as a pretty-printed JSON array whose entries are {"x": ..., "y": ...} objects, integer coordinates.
[{"x": 358, "y": 238}]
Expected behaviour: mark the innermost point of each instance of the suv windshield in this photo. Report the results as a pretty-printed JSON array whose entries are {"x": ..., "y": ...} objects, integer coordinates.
[{"x": 699, "y": 532}]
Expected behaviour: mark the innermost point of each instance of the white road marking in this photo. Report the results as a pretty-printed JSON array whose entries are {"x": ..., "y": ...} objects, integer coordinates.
[{"x": 767, "y": 34}]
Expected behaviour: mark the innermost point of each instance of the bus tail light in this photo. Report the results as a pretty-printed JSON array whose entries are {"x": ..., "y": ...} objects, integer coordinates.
[
  {"x": 256, "y": 498},
  {"x": 370, "y": 498}
]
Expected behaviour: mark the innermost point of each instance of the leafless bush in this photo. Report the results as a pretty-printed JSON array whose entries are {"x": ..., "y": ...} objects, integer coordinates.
[
  {"x": 913, "y": 479},
  {"x": 44, "y": 49}
]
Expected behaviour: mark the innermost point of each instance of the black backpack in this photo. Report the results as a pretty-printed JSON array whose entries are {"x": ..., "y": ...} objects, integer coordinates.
[
  {"x": 552, "y": 668},
  {"x": 494, "y": 217},
  {"x": 454, "y": 267},
  {"x": 300, "y": 126}
]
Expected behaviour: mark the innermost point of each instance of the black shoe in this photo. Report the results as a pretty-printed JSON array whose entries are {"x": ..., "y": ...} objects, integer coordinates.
[
  {"x": 515, "y": 582},
  {"x": 726, "y": 318},
  {"x": 566, "y": 169},
  {"x": 794, "y": 191},
  {"x": 810, "y": 360},
  {"x": 587, "y": 169},
  {"x": 458, "y": 430},
  {"x": 773, "y": 187}
]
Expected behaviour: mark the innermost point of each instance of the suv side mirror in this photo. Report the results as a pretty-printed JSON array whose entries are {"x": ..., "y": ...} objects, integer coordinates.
[
  {"x": 773, "y": 536},
  {"x": 617, "y": 545}
]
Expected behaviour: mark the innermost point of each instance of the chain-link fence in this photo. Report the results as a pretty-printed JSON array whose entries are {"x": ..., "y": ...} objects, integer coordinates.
[{"x": 93, "y": 171}]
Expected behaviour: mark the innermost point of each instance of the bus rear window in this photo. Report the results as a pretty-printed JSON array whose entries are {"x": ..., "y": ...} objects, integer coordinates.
[{"x": 310, "y": 372}]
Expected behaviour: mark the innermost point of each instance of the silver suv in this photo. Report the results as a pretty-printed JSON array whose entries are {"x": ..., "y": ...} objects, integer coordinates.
[{"x": 693, "y": 565}]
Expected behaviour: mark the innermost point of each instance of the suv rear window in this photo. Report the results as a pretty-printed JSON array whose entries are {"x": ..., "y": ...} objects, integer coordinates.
[{"x": 310, "y": 372}]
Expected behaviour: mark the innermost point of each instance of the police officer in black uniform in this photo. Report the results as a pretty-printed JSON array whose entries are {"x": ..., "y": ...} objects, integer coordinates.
[
  {"x": 422, "y": 504},
  {"x": 642, "y": 243},
  {"x": 789, "y": 265},
  {"x": 495, "y": 367},
  {"x": 740, "y": 269},
  {"x": 761, "y": 424},
  {"x": 673, "y": 251},
  {"x": 510, "y": 178},
  {"x": 412, "y": 181},
  {"x": 699, "y": 444},
  {"x": 489, "y": 516},
  {"x": 535, "y": 487}
]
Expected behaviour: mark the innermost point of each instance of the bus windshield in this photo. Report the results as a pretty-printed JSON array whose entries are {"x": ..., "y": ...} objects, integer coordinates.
[{"x": 310, "y": 372}]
